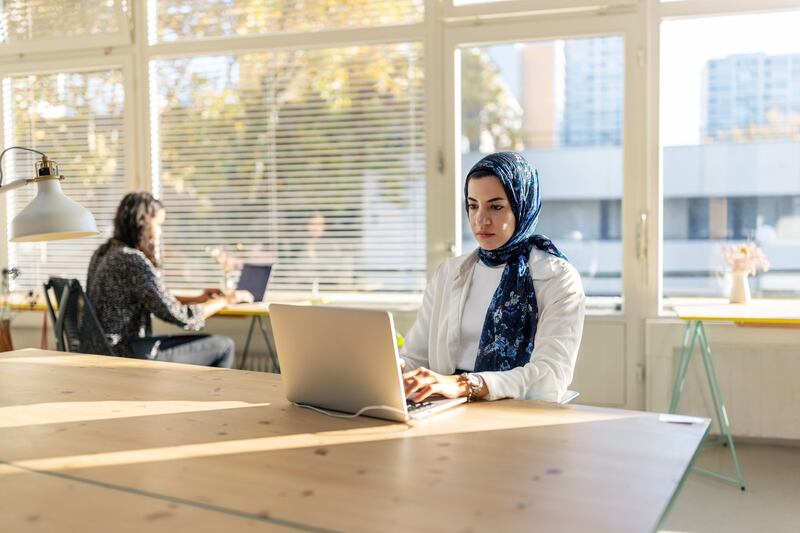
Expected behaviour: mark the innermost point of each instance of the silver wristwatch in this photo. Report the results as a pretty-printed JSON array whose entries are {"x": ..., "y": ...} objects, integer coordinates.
[{"x": 475, "y": 382}]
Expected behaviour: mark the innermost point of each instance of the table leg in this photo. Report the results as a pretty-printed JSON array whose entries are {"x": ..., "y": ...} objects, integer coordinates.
[
  {"x": 5, "y": 336},
  {"x": 722, "y": 413},
  {"x": 247, "y": 342},
  {"x": 689, "y": 339},
  {"x": 273, "y": 366},
  {"x": 43, "y": 343}
]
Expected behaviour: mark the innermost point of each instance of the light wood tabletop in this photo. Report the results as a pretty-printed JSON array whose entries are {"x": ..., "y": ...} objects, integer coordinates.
[{"x": 97, "y": 443}]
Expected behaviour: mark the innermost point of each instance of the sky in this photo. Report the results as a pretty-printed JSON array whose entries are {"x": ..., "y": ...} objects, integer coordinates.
[{"x": 686, "y": 46}]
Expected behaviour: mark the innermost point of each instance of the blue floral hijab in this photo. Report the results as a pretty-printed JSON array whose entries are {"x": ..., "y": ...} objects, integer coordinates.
[{"x": 509, "y": 328}]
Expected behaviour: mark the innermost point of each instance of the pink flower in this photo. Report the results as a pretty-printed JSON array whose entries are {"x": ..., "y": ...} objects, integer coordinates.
[{"x": 748, "y": 257}]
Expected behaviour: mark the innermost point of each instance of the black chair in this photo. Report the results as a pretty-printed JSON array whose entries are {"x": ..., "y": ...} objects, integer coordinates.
[{"x": 75, "y": 323}]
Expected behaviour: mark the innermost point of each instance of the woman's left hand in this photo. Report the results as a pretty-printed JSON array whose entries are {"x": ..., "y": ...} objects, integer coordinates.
[{"x": 421, "y": 383}]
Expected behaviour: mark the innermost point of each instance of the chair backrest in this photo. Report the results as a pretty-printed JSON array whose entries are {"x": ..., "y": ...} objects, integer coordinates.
[{"x": 75, "y": 323}]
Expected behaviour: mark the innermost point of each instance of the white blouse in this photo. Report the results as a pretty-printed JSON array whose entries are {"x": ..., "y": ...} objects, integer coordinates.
[
  {"x": 485, "y": 280},
  {"x": 435, "y": 341}
]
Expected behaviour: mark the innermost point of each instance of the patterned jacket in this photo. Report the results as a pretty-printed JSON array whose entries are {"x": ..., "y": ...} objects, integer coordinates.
[{"x": 125, "y": 288}]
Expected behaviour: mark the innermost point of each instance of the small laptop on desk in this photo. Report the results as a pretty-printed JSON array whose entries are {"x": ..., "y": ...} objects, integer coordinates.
[
  {"x": 254, "y": 278},
  {"x": 344, "y": 360}
]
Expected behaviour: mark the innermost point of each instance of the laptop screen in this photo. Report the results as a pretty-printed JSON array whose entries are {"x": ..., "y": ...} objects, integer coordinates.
[{"x": 254, "y": 278}]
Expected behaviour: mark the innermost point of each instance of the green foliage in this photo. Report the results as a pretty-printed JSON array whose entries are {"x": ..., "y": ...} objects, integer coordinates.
[{"x": 486, "y": 109}]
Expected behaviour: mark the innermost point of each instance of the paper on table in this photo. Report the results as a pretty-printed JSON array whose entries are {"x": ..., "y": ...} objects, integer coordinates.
[{"x": 679, "y": 419}]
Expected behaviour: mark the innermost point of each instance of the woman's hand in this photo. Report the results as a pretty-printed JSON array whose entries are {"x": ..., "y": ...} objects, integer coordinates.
[
  {"x": 422, "y": 383},
  {"x": 209, "y": 294},
  {"x": 239, "y": 297}
]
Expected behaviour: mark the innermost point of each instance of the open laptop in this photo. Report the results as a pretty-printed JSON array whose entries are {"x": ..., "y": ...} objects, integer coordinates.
[
  {"x": 344, "y": 359},
  {"x": 255, "y": 278}
]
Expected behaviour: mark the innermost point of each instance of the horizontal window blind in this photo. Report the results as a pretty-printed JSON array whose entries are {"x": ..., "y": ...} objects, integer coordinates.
[
  {"x": 26, "y": 20},
  {"x": 76, "y": 118},
  {"x": 176, "y": 20},
  {"x": 309, "y": 159}
]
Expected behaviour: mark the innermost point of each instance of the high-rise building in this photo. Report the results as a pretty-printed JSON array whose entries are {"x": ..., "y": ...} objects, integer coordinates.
[
  {"x": 751, "y": 96},
  {"x": 594, "y": 85}
]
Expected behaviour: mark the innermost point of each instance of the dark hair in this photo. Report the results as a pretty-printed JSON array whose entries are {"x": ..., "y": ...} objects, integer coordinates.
[
  {"x": 132, "y": 224},
  {"x": 480, "y": 173}
]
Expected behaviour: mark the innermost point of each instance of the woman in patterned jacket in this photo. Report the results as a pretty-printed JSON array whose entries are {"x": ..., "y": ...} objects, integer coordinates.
[{"x": 125, "y": 285}]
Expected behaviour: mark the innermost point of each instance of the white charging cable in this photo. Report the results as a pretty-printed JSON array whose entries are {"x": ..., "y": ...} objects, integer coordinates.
[{"x": 345, "y": 415}]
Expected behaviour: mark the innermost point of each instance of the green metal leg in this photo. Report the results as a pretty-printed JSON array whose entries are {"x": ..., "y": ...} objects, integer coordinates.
[
  {"x": 696, "y": 331},
  {"x": 689, "y": 339},
  {"x": 722, "y": 413}
]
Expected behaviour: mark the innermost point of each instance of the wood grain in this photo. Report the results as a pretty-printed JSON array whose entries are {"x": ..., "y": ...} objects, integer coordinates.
[{"x": 228, "y": 440}]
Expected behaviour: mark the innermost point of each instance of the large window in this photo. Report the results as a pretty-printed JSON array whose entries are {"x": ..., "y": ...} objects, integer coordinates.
[
  {"x": 309, "y": 159},
  {"x": 76, "y": 118},
  {"x": 317, "y": 135},
  {"x": 730, "y": 130},
  {"x": 560, "y": 104}
]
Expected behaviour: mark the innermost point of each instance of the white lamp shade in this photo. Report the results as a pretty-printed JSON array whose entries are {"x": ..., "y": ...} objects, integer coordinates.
[{"x": 52, "y": 216}]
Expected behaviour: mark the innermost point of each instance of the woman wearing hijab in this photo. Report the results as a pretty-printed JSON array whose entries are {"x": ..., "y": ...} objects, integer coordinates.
[{"x": 505, "y": 320}]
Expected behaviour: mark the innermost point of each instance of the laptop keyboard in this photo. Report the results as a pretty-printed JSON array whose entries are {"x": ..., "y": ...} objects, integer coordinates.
[{"x": 414, "y": 406}]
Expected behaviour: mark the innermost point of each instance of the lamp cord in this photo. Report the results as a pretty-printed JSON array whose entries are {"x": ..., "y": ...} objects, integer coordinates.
[{"x": 3, "y": 153}]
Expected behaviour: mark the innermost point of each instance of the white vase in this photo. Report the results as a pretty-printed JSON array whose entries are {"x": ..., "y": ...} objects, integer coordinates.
[
  {"x": 228, "y": 284},
  {"x": 740, "y": 288}
]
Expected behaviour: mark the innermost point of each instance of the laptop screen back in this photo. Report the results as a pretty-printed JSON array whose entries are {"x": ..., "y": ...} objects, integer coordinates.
[
  {"x": 254, "y": 278},
  {"x": 338, "y": 358}
]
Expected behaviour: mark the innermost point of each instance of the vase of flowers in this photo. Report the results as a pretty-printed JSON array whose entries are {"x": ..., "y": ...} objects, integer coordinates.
[
  {"x": 743, "y": 260},
  {"x": 230, "y": 265}
]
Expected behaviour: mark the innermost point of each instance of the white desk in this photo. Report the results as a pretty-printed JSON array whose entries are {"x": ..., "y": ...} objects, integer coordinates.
[{"x": 782, "y": 313}]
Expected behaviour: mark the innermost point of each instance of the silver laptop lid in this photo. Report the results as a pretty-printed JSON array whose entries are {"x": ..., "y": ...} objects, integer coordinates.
[{"x": 339, "y": 358}]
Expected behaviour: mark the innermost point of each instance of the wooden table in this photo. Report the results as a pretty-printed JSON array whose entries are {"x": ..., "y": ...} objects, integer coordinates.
[
  {"x": 94, "y": 443},
  {"x": 695, "y": 312}
]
